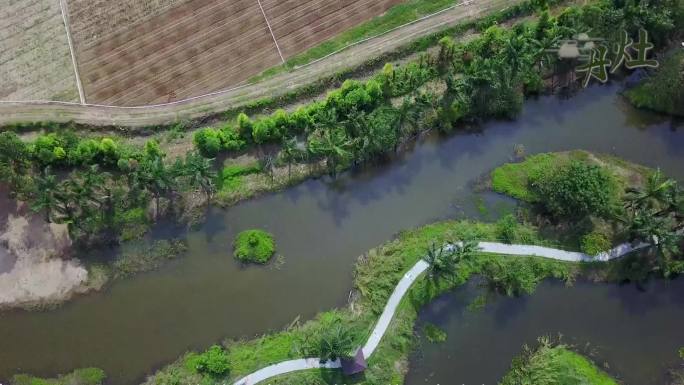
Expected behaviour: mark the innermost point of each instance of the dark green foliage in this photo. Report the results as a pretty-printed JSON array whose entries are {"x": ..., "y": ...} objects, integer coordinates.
[
  {"x": 254, "y": 246},
  {"x": 577, "y": 190},
  {"x": 663, "y": 91}
]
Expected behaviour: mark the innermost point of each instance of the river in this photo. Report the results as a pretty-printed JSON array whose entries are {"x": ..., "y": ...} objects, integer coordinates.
[{"x": 320, "y": 226}]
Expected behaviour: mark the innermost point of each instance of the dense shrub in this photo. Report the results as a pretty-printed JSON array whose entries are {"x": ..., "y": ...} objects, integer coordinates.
[
  {"x": 595, "y": 243},
  {"x": 254, "y": 246},
  {"x": 577, "y": 189},
  {"x": 510, "y": 231},
  {"x": 207, "y": 142},
  {"x": 210, "y": 141},
  {"x": 213, "y": 362}
]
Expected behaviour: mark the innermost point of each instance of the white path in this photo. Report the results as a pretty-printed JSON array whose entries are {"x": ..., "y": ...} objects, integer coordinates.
[{"x": 405, "y": 284}]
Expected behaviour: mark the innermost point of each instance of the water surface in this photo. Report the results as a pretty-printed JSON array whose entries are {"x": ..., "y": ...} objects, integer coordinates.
[{"x": 634, "y": 334}]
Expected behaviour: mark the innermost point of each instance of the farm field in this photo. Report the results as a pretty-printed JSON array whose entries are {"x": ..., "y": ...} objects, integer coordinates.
[
  {"x": 179, "y": 49},
  {"x": 35, "y": 62},
  {"x": 299, "y": 25}
]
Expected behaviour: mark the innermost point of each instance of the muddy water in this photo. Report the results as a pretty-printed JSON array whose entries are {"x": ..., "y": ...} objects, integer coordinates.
[
  {"x": 320, "y": 227},
  {"x": 632, "y": 333}
]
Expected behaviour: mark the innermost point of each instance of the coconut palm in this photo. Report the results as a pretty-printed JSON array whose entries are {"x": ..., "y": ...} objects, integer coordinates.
[
  {"x": 289, "y": 153},
  {"x": 465, "y": 250},
  {"x": 337, "y": 341},
  {"x": 200, "y": 173},
  {"x": 44, "y": 194},
  {"x": 155, "y": 177},
  {"x": 659, "y": 194},
  {"x": 332, "y": 144},
  {"x": 441, "y": 262}
]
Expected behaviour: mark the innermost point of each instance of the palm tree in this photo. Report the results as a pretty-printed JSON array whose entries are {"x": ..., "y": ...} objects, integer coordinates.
[
  {"x": 156, "y": 178},
  {"x": 337, "y": 341},
  {"x": 289, "y": 153},
  {"x": 44, "y": 194},
  {"x": 441, "y": 261},
  {"x": 200, "y": 173},
  {"x": 332, "y": 144},
  {"x": 465, "y": 250},
  {"x": 659, "y": 195}
]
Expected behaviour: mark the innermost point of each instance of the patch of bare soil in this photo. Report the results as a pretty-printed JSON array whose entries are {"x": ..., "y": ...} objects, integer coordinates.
[{"x": 32, "y": 271}]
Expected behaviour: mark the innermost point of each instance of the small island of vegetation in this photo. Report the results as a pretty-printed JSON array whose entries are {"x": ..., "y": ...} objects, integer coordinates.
[
  {"x": 255, "y": 246},
  {"x": 550, "y": 364}
]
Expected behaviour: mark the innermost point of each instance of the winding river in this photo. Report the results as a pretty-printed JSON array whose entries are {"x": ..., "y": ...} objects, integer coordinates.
[{"x": 320, "y": 226}]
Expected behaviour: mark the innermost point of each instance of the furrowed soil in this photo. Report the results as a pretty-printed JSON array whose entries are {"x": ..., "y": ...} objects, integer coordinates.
[
  {"x": 299, "y": 24},
  {"x": 35, "y": 61},
  {"x": 197, "y": 47}
]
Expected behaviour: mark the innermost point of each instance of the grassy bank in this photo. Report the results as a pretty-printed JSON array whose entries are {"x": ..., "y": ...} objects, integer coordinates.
[
  {"x": 550, "y": 364},
  {"x": 87, "y": 376},
  {"x": 516, "y": 179},
  {"x": 663, "y": 91},
  {"x": 594, "y": 202},
  {"x": 377, "y": 273}
]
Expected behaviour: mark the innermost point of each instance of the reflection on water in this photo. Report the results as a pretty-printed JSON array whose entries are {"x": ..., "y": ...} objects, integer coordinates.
[
  {"x": 632, "y": 333},
  {"x": 320, "y": 228}
]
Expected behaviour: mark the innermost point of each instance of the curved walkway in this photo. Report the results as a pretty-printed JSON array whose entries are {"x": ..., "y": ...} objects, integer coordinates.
[
  {"x": 405, "y": 284},
  {"x": 354, "y": 55}
]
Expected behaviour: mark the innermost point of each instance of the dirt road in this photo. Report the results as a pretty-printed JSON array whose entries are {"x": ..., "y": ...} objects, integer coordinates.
[{"x": 278, "y": 85}]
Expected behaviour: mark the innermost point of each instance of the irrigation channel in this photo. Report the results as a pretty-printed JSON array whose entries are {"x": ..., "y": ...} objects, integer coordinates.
[{"x": 142, "y": 323}]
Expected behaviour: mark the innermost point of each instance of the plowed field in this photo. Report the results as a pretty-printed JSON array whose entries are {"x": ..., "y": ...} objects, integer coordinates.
[
  {"x": 35, "y": 62},
  {"x": 192, "y": 47}
]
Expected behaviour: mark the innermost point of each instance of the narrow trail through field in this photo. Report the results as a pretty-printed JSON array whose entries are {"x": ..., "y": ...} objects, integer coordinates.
[
  {"x": 357, "y": 54},
  {"x": 65, "y": 17},
  {"x": 405, "y": 284}
]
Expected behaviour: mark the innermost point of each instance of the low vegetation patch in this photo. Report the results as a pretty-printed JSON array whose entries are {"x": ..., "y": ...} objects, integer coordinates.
[
  {"x": 86, "y": 376},
  {"x": 434, "y": 334},
  {"x": 552, "y": 365},
  {"x": 254, "y": 246},
  {"x": 147, "y": 258}
]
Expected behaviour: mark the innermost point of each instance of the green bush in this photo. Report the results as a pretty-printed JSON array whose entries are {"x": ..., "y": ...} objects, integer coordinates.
[
  {"x": 207, "y": 142},
  {"x": 254, "y": 246},
  {"x": 577, "y": 190},
  {"x": 213, "y": 362},
  {"x": 595, "y": 243}
]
